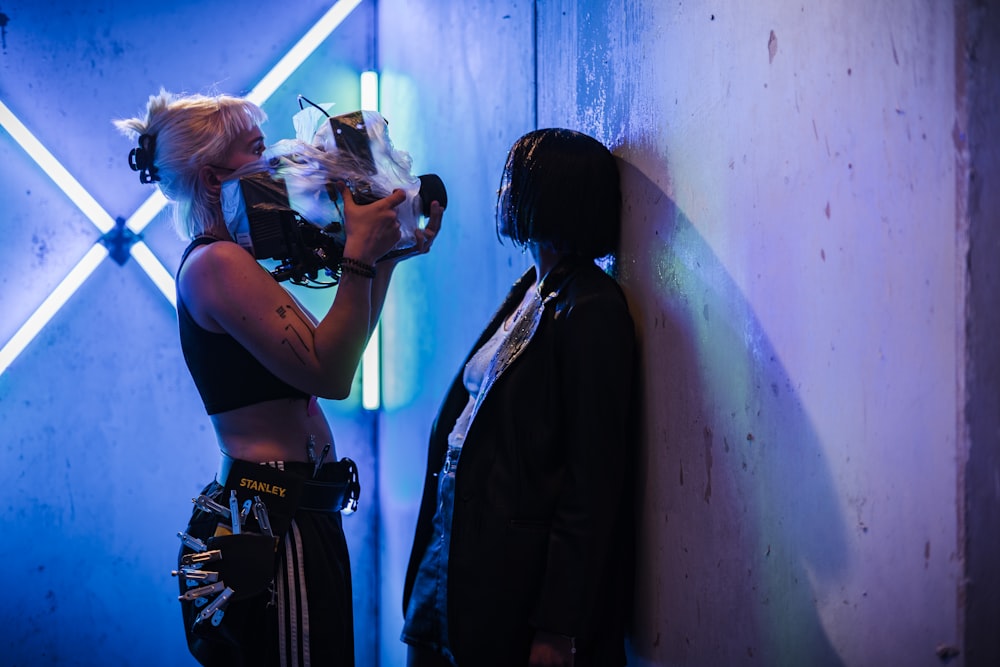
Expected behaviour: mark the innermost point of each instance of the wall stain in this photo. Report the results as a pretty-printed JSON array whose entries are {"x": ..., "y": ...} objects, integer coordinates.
[
  {"x": 4, "y": 20},
  {"x": 772, "y": 47},
  {"x": 41, "y": 248}
]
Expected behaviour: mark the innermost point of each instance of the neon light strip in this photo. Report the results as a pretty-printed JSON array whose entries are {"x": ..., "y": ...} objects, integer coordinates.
[
  {"x": 146, "y": 212},
  {"x": 51, "y": 305},
  {"x": 56, "y": 171},
  {"x": 145, "y": 258},
  {"x": 369, "y": 90},
  {"x": 302, "y": 50},
  {"x": 371, "y": 362},
  {"x": 371, "y": 372}
]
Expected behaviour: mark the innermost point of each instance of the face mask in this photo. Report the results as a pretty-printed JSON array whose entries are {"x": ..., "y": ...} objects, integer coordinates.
[{"x": 235, "y": 214}]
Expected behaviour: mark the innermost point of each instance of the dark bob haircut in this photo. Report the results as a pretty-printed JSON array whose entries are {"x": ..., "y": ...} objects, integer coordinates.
[{"x": 560, "y": 188}]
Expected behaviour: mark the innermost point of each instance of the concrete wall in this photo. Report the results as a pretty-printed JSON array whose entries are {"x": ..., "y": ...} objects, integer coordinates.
[{"x": 795, "y": 255}]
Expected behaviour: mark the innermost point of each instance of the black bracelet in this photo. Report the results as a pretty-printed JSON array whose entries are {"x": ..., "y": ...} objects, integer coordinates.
[{"x": 357, "y": 267}]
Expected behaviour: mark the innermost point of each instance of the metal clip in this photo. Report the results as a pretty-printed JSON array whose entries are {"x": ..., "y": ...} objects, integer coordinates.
[
  {"x": 245, "y": 512},
  {"x": 260, "y": 513},
  {"x": 234, "y": 511},
  {"x": 215, "y": 611},
  {"x": 194, "y": 574},
  {"x": 206, "y": 504},
  {"x": 192, "y": 543},
  {"x": 202, "y": 591},
  {"x": 203, "y": 557},
  {"x": 322, "y": 457}
]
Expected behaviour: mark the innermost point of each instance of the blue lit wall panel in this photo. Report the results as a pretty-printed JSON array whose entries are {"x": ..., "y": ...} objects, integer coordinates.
[{"x": 104, "y": 438}]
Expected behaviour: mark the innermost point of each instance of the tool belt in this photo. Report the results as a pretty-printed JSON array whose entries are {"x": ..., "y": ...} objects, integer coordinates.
[
  {"x": 332, "y": 487},
  {"x": 250, "y": 512}
]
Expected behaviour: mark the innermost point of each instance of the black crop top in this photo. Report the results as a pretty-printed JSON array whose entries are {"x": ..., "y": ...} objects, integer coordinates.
[{"x": 226, "y": 374}]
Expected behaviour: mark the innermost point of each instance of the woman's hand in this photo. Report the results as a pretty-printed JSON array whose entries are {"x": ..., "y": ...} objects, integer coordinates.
[
  {"x": 372, "y": 229},
  {"x": 425, "y": 237},
  {"x": 549, "y": 649}
]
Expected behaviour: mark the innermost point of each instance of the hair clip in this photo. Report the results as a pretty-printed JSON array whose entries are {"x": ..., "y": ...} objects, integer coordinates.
[{"x": 141, "y": 159}]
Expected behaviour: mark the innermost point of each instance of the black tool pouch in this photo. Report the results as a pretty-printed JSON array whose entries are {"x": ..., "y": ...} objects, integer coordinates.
[
  {"x": 228, "y": 563},
  {"x": 244, "y": 572},
  {"x": 227, "y": 566}
]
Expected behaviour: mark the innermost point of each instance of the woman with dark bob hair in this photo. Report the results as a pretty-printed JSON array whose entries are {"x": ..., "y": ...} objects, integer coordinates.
[{"x": 523, "y": 543}]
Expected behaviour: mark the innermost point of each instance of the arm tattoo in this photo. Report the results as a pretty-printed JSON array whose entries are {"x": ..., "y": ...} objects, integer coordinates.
[{"x": 294, "y": 339}]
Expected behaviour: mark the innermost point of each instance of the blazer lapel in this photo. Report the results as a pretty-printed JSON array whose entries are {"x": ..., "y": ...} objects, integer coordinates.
[{"x": 524, "y": 326}]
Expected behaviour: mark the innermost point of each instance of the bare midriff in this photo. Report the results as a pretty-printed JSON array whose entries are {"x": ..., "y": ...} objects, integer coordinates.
[{"x": 277, "y": 430}]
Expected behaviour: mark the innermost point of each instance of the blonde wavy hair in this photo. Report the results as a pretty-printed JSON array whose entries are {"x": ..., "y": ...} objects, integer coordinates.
[{"x": 190, "y": 132}]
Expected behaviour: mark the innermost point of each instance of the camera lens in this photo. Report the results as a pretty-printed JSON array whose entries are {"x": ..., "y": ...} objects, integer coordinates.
[{"x": 432, "y": 189}]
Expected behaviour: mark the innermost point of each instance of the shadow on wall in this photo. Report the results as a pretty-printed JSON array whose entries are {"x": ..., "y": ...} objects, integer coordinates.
[{"x": 741, "y": 539}]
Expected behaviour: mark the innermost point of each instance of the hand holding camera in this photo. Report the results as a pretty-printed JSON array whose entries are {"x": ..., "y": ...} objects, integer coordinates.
[
  {"x": 372, "y": 230},
  {"x": 294, "y": 206}
]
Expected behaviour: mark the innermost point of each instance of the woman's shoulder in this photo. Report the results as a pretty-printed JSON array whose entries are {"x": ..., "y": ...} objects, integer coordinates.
[
  {"x": 220, "y": 265},
  {"x": 592, "y": 294},
  {"x": 214, "y": 255},
  {"x": 589, "y": 279}
]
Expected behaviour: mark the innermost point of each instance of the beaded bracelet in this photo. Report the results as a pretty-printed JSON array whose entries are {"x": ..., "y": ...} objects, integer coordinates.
[{"x": 357, "y": 267}]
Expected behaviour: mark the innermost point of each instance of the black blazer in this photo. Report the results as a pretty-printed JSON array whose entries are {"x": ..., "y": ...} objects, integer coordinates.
[{"x": 541, "y": 533}]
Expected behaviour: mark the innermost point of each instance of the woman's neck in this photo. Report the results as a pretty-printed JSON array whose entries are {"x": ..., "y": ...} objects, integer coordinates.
[{"x": 545, "y": 259}]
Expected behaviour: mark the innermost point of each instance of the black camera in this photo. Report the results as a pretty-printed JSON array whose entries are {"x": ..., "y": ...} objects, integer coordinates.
[{"x": 289, "y": 211}]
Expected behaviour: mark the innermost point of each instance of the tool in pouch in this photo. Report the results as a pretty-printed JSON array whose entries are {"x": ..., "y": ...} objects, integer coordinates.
[{"x": 253, "y": 509}]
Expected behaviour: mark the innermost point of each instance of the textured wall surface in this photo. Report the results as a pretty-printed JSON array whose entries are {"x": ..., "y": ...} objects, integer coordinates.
[{"x": 794, "y": 256}]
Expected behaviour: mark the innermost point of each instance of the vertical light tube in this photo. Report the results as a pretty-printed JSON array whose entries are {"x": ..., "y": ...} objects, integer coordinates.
[
  {"x": 371, "y": 362},
  {"x": 369, "y": 90},
  {"x": 371, "y": 372}
]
